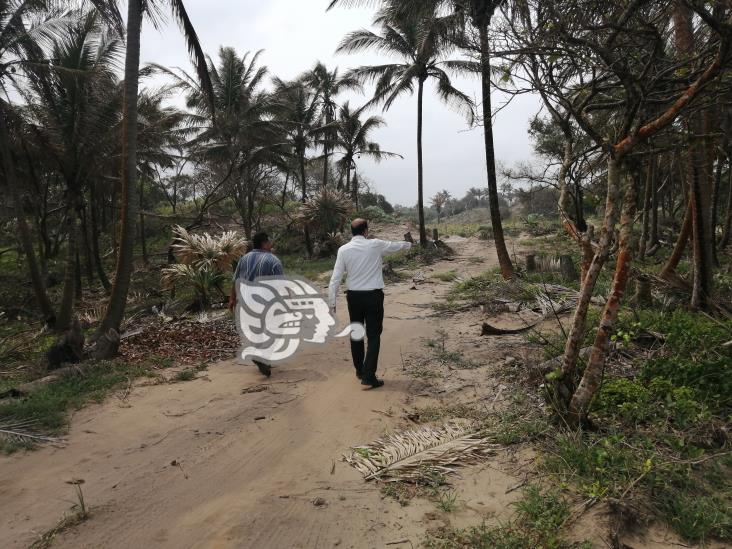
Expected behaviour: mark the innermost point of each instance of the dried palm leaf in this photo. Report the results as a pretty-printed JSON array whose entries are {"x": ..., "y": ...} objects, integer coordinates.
[
  {"x": 405, "y": 455},
  {"x": 22, "y": 432}
]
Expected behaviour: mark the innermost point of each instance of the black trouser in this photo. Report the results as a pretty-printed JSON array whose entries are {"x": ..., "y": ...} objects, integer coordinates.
[{"x": 367, "y": 308}]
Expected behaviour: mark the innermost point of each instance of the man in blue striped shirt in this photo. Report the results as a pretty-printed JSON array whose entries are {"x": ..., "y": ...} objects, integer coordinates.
[{"x": 259, "y": 262}]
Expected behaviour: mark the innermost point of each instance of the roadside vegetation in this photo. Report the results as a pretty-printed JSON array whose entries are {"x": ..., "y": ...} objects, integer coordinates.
[{"x": 126, "y": 208}]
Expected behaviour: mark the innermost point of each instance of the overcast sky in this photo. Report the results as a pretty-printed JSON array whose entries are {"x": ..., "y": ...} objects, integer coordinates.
[{"x": 296, "y": 33}]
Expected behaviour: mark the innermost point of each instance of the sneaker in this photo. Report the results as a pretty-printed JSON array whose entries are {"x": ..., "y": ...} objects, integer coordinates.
[
  {"x": 372, "y": 382},
  {"x": 264, "y": 368}
]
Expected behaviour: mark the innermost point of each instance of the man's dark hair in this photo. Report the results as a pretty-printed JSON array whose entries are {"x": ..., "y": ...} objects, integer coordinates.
[
  {"x": 259, "y": 239},
  {"x": 359, "y": 226}
]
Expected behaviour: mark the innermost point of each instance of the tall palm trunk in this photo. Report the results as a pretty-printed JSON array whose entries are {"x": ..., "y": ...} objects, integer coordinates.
[
  {"x": 420, "y": 172},
  {"x": 504, "y": 260},
  {"x": 143, "y": 242},
  {"x": 326, "y": 154},
  {"x": 304, "y": 189},
  {"x": 88, "y": 262},
  {"x": 108, "y": 343},
  {"x": 24, "y": 234},
  {"x": 354, "y": 188},
  {"x": 66, "y": 310},
  {"x": 325, "y": 166},
  {"x": 95, "y": 240}
]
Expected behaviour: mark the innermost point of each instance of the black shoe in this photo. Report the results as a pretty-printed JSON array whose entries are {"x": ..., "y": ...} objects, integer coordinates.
[
  {"x": 373, "y": 382},
  {"x": 264, "y": 368}
]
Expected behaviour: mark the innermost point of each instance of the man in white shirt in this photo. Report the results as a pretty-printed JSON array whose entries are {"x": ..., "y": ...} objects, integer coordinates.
[{"x": 361, "y": 260}]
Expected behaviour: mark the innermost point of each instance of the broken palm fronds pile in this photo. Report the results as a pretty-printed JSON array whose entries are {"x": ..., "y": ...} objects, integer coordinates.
[
  {"x": 186, "y": 342},
  {"x": 404, "y": 456},
  {"x": 553, "y": 299},
  {"x": 495, "y": 295},
  {"x": 22, "y": 432},
  {"x": 548, "y": 301}
]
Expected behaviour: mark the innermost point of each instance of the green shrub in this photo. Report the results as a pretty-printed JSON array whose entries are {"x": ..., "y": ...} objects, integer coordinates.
[{"x": 374, "y": 213}]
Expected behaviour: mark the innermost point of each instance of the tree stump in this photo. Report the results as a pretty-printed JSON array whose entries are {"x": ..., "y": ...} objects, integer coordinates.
[
  {"x": 435, "y": 235},
  {"x": 107, "y": 345},
  {"x": 408, "y": 237},
  {"x": 531, "y": 263},
  {"x": 643, "y": 296},
  {"x": 567, "y": 268},
  {"x": 69, "y": 349}
]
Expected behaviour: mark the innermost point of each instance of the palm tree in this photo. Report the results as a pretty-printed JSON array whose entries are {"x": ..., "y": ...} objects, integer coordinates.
[
  {"x": 328, "y": 84},
  {"x": 241, "y": 133},
  {"x": 439, "y": 201},
  {"x": 299, "y": 115},
  {"x": 474, "y": 196},
  {"x": 351, "y": 139},
  {"x": 107, "y": 338},
  {"x": 480, "y": 14},
  {"x": 72, "y": 103},
  {"x": 18, "y": 49},
  {"x": 422, "y": 42}
]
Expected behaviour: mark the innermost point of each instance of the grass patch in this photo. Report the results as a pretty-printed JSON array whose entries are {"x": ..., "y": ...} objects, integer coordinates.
[
  {"x": 663, "y": 426},
  {"x": 447, "y": 276},
  {"x": 510, "y": 427},
  {"x": 311, "y": 269},
  {"x": 538, "y": 520},
  {"x": 401, "y": 492},
  {"x": 451, "y": 359},
  {"x": 188, "y": 374},
  {"x": 429, "y": 483},
  {"x": 48, "y": 407},
  {"x": 418, "y": 256},
  {"x": 447, "y": 501}
]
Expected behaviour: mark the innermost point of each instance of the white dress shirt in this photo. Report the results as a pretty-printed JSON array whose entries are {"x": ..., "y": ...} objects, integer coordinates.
[{"x": 361, "y": 260}]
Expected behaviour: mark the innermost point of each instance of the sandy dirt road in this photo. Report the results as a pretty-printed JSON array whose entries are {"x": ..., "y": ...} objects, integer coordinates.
[{"x": 191, "y": 465}]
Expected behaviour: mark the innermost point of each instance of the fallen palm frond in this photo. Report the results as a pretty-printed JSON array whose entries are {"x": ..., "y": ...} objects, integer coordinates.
[
  {"x": 553, "y": 299},
  {"x": 21, "y": 432},
  {"x": 403, "y": 456}
]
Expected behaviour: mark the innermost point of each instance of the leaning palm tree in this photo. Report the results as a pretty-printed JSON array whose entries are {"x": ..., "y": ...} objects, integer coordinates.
[
  {"x": 107, "y": 338},
  {"x": 72, "y": 103},
  {"x": 351, "y": 139},
  {"x": 422, "y": 41},
  {"x": 328, "y": 84},
  {"x": 480, "y": 13}
]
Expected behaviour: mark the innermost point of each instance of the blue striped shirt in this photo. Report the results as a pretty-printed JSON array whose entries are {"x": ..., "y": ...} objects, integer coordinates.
[{"x": 258, "y": 263}]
